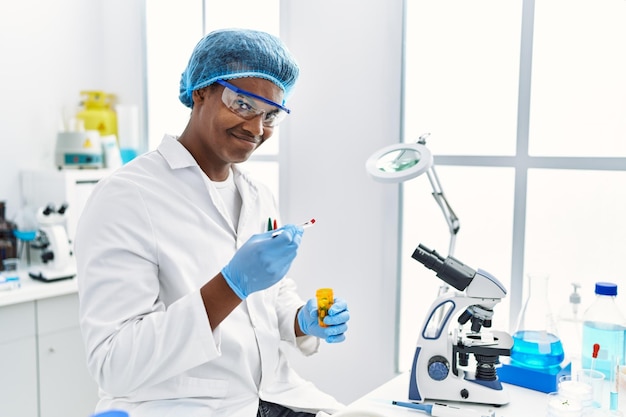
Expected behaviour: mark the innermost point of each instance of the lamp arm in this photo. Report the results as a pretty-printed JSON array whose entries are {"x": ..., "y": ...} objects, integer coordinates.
[{"x": 451, "y": 218}]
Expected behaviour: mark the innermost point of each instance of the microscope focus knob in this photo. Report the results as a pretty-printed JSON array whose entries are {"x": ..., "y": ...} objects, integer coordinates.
[
  {"x": 438, "y": 368},
  {"x": 47, "y": 256}
]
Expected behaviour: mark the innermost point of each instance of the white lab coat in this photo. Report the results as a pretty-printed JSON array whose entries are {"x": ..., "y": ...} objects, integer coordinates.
[{"x": 150, "y": 235}]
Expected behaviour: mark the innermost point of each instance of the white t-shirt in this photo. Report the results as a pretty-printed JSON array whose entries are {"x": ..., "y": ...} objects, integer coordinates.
[{"x": 230, "y": 196}]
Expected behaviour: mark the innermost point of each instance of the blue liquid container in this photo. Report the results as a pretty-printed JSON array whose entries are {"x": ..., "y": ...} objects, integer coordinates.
[
  {"x": 603, "y": 324},
  {"x": 127, "y": 154},
  {"x": 610, "y": 337},
  {"x": 537, "y": 349}
]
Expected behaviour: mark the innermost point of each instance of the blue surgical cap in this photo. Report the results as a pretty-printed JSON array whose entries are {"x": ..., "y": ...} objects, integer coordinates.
[{"x": 238, "y": 53}]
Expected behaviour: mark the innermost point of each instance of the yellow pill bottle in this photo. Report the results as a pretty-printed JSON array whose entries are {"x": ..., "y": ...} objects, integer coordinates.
[{"x": 325, "y": 300}]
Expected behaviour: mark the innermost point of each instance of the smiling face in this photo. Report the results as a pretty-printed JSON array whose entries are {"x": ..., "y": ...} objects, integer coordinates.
[{"x": 216, "y": 136}]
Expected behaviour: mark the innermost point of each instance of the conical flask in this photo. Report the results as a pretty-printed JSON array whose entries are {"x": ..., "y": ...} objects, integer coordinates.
[{"x": 535, "y": 341}]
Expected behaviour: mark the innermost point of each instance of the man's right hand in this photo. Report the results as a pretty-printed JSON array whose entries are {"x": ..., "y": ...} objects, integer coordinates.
[{"x": 263, "y": 260}]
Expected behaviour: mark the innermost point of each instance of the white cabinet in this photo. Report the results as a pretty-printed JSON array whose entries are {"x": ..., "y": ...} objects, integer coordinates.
[
  {"x": 65, "y": 387},
  {"x": 18, "y": 361},
  {"x": 43, "y": 371}
]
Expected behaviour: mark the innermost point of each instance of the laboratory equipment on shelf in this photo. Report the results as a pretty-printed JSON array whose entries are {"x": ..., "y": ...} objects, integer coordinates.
[
  {"x": 112, "y": 158},
  {"x": 443, "y": 368},
  {"x": 98, "y": 112},
  {"x": 8, "y": 241},
  {"x": 78, "y": 149},
  {"x": 26, "y": 230},
  {"x": 57, "y": 257},
  {"x": 9, "y": 277},
  {"x": 128, "y": 135},
  {"x": 9, "y": 283},
  {"x": 603, "y": 324},
  {"x": 85, "y": 138},
  {"x": 537, "y": 358}
]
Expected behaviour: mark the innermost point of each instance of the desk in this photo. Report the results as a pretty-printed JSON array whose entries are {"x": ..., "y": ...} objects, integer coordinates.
[{"x": 524, "y": 402}]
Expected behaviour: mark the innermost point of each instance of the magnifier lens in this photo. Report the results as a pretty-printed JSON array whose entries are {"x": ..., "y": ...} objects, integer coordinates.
[{"x": 398, "y": 160}]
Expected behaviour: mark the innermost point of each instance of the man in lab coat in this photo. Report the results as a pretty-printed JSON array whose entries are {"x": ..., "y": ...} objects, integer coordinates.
[{"x": 184, "y": 302}]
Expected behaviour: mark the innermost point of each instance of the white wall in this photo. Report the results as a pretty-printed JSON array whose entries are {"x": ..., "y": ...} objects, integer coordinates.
[
  {"x": 346, "y": 106},
  {"x": 50, "y": 51}
]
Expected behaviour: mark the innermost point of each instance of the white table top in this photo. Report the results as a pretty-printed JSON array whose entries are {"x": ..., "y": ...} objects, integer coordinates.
[
  {"x": 32, "y": 289},
  {"x": 523, "y": 402}
]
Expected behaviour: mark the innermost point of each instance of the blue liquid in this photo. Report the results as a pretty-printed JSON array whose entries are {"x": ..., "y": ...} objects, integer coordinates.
[
  {"x": 537, "y": 349},
  {"x": 610, "y": 337},
  {"x": 127, "y": 154}
]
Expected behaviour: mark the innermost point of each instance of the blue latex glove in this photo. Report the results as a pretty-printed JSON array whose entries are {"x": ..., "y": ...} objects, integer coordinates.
[
  {"x": 262, "y": 261},
  {"x": 337, "y": 319}
]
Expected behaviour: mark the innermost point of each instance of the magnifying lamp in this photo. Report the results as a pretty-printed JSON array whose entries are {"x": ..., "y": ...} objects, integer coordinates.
[{"x": 404, "y": 161}]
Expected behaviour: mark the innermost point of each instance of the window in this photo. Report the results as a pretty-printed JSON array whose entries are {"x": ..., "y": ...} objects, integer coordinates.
[
  {"x": 172, "y": 30},
  {"x": 525, "y": 101}
]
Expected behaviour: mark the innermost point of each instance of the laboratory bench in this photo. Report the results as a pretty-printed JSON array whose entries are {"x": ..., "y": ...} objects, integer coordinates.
[
  {"x": 523, "y": 402},
  {"x": 32, "y": 290},
  {"x": 43, "y": 370}
]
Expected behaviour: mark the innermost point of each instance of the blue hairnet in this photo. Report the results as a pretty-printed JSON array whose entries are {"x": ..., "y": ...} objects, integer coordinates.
[{"x": 238, "y": 53}]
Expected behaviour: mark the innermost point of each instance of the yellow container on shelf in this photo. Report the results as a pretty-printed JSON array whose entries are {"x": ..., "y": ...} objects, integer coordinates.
[{"x": 98, "y": 112}]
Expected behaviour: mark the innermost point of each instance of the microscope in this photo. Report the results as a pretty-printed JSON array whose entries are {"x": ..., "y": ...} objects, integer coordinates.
[
  {"x": 453, "y": 362},
  {"x": 52, "y": 240}
]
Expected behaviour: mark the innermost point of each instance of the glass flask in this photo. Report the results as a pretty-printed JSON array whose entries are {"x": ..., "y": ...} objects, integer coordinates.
[{"x": 535, "y": 341}]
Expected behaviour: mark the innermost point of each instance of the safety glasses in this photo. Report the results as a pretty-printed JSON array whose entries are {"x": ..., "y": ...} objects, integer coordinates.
[{"x": 243, "y": 104}]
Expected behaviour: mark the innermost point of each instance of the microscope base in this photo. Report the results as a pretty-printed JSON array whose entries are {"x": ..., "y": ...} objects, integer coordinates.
[
  {"x": 536, "y": 379},
  {"x": 52, "y": 275}
]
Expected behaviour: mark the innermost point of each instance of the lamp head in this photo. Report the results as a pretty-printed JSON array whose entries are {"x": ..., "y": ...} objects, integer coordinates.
[{"x": 399, "y": 162}]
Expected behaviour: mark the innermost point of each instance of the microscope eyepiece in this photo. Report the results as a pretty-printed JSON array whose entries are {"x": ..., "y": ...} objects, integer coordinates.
[
  {"x": 448, "y": 269},
  {"x": 48, "y": 210},
  {"x": 63, "y": 208},
  {"x": 428, "y": 257}
]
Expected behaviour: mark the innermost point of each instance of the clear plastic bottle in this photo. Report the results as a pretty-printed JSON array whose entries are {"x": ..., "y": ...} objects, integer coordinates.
[
  {"x": 603, "y": 324},
  {"x": 570, "y": 325}
]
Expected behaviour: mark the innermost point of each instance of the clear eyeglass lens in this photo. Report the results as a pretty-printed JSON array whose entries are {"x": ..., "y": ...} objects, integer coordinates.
[{"x": 245, "y": 108}]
